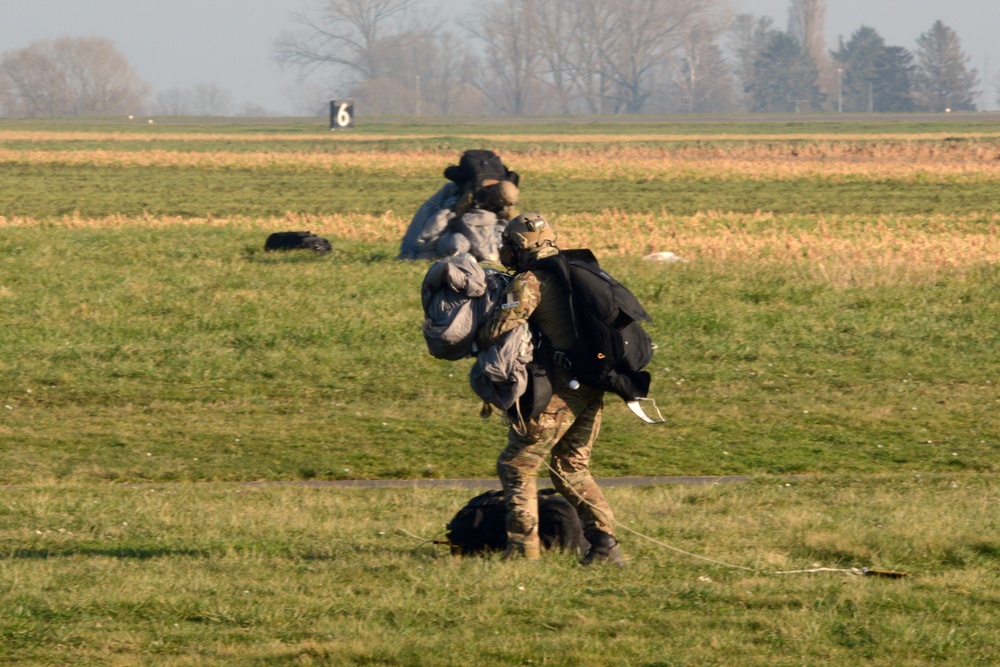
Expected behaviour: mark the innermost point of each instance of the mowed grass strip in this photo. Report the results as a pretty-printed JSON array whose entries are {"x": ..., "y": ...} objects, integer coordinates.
[{"x": 236, "y": 575}]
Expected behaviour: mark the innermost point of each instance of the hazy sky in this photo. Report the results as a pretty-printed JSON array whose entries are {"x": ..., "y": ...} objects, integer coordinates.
[{"x": 182, "y": 43}]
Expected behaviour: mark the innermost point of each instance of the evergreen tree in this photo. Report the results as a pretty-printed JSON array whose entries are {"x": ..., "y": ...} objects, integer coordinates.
[
  {"x": 897, "y": 74},
  {"x": 943, "y": 79},
  {"x": 750, "y": 37},
  {"x": 786, "y": 78},
  {"x": 874, "y": 75}
]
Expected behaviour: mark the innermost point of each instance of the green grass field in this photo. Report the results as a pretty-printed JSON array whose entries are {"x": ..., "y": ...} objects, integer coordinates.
[
  {"x": 836, "y": 320},
  {"x": 226, "y": 575}
]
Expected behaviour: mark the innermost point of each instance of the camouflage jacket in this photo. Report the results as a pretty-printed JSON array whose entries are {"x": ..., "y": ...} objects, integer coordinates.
[{"x": 537, "y": 298}]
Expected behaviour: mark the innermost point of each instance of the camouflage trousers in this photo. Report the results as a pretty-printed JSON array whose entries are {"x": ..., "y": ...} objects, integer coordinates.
[{"x": 566, "y": 429}]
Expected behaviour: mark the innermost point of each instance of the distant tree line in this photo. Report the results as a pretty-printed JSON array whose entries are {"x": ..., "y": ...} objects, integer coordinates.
[
  {"x": 69, "y": 77},
  {"x": 89, "y": 76},
  {"x": 619, "y": 56},
  {"x": 533, "y": 57}
]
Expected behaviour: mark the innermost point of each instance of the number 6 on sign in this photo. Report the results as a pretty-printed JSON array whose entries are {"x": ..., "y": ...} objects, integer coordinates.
[{"x": 341, "y": 114}]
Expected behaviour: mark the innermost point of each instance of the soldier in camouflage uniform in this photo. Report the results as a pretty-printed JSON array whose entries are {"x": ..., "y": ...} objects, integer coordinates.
[{"x": 569, "y": 424}]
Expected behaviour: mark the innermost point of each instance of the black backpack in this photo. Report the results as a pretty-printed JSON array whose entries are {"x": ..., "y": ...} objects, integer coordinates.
[
  {"x": 480, "y": 527},
  {"x": 297, "y": 241},
  {"x": 612, "y": 349},
  {"x": 479, "y": 166}
]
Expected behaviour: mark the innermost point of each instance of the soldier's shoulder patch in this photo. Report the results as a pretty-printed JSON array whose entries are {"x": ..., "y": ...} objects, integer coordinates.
[{"x": 510, "y": 300}]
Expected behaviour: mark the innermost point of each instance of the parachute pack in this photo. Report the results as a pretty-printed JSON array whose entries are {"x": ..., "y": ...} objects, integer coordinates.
[
  {"x": 479, "y": 168},
  {"x": 486, "y": 183},
  {"x": 612, "y": 349},
  {"x": 480, "y": 526}
]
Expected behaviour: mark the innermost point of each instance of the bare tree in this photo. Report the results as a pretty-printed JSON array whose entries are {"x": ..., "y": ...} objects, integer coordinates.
[
  {"x": 703, "y": 80},
  {"x": 595, "y": 31},
  {"x": 512, "y": 62},
  {"x": 447, "y": 83},
  {"x": 69, "y": 76},
  {"x": 211, "y": 99},
  {"x": 557, "y": 30},
  {"x": 806, "y": 20},
  {"x": 172, "y": 102},
  {"x": 575, "y": 38},
  {"x": 607, "y": 55},
  {"x": 388, "y": 54},
  {"x": 647, "y": 33},
  {"x": 205, "y": 99},
  {"x": 807, "y": 23},
  {"x": 424, "y": 75},
  {"x": 351, "y": 35}
]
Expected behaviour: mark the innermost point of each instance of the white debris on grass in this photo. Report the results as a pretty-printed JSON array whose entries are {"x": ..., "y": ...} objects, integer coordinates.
[{"x": 666, "y": 257}]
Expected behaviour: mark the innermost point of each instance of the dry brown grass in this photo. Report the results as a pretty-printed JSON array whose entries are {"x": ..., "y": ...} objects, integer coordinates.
[
  {"x": 833, "y": 160},
  {"x": 831, "y": 249}
]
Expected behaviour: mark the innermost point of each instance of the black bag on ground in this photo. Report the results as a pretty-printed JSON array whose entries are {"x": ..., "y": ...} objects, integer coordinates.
[
  {"x": 480, "y": 527},
  {"x": 297, "y": 241}
]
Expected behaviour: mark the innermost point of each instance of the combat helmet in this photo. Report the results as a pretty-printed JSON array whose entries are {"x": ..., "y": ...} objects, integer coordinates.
[{"x": 528, "y": 236}]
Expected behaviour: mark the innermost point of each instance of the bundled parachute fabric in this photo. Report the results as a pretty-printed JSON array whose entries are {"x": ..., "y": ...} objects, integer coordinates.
[
  {"x": 436, "y": 231},
  {"x": 480, "y": 527},
  {"x": 457, "y": 295},
  {"x": 467, "y": 214},
  {"x": 500, "y": 374},
  {"x": 480, "y": 229},
  {"x": 297, "y": 241},
  {"x": 429, "y": 223}
]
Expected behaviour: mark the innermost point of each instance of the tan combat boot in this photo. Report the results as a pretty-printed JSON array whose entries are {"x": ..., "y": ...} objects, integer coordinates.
[{"x": 517, "y": 550}]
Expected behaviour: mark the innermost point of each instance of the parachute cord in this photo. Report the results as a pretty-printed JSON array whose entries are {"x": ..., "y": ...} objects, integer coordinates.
[
  {"x": 643, "y": 536},
  {"x": 687, "y": 553},
  {"x": 423, "y": 540},
  {"x": 521, "y": 426},
  {"x": 856, "y": 571}
]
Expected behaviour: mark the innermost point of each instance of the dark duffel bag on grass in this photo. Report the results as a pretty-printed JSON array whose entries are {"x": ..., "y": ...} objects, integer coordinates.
[
  {"x": 297, "y": 241},
  {"x": 480, "y": 527}
]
